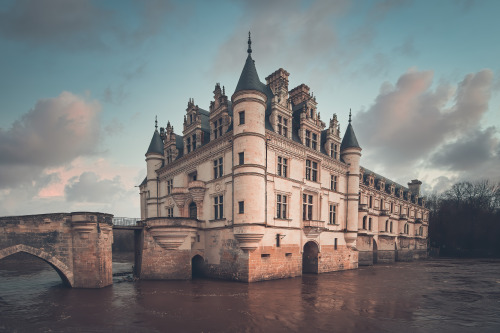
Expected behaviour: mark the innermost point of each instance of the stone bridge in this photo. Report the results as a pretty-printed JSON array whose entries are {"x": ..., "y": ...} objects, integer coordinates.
[{"x": 77, "y": 245}]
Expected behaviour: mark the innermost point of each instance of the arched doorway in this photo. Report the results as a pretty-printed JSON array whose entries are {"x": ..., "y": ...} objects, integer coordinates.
[
  {"x": 310, "y": 258},
  {"x": 197, "y": 267},
  {"x": 193, "y": 211},
  {"x": 375, "y": 251}
]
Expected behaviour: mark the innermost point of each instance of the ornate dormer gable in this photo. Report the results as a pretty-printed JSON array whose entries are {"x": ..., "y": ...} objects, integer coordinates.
[
  {"x": 370, "y": 179},
  {"x": 332, "y": 143},
  {"x": 194, "y": 121},
  {"x": 381, "y": 184},
  {"x": 400, "y": 193},
  {"x": 391, "y": 189},
  {"x": 310, "y": 124},
  {"x": 220, "y": 120},
  {"x": 170, "y": 150},
  {"x": 281, "y": 108}
]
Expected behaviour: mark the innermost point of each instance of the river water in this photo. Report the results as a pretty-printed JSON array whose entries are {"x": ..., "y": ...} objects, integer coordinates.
[{"x": 438, "y": 295}]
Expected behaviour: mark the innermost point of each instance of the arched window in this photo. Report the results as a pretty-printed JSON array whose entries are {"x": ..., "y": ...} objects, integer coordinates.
[
  {"x": 364, "y": 222},
  {"x": 390, "y": 230},
  {"x": 406, "y": 229},
  {"x": 370, "y": 223},
  {"x": 387, "y": 225}
]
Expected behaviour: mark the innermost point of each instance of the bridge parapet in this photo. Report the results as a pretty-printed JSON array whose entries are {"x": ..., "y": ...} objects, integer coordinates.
[{"x": 77, "y": 245}]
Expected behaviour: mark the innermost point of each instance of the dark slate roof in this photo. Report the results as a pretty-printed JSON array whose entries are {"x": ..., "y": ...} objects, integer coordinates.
[
  {"x": 156, "y": 145},
  {"x": 349, "y": 140},
  {"x": 144, "y": 181},
  {"x": 388, "y": 182},
  {"x": 179, "y": 144},
  {"x": 249, "y": 79}
]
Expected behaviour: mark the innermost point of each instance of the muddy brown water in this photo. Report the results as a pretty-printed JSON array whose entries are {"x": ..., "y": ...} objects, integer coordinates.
[{"x": 437, "y": 295}]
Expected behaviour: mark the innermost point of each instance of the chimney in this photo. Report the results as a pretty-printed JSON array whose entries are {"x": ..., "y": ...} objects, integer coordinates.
[{"x": 414, "y": 186}]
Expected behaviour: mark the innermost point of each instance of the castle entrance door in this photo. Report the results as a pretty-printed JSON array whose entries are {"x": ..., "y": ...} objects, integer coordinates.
[{"x": 310, "y": 258}]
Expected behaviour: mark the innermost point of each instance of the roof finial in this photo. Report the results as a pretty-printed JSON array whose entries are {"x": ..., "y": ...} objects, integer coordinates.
[
  {"x": 349, "y": 115},
  {"x": 156, "y": 122},
  {"x": 249, "y": 44}
]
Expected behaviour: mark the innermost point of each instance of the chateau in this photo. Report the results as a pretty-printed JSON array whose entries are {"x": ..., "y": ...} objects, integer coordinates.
[{"x": 259, "y": 187}]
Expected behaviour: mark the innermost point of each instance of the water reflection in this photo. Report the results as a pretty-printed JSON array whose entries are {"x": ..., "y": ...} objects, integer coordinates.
[{"x": 435, "y": 295}]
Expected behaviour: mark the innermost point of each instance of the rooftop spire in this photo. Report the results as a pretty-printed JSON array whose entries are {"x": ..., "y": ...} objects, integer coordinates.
[
  {"x": 349, "y": 115},
  {"x": 349, "y": 140},
  {"x": 249, "y": 44},
  {"x": 156, "y": 122}
]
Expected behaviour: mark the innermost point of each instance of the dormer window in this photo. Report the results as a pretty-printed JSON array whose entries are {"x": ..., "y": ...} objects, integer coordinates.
[
  {"x": 218, "y": 128},
  {"x": 308, "y": 138},
  {"x": 282, "y": 126},
  {"x": 334, "y": 151},
  {"x": 314, "y": 141},
  {"x": 169, "y": 156},
  {"x": 191, "y": 118},
  {"x": 194, "y": 141},
  {"x": 188, "y": 145}
]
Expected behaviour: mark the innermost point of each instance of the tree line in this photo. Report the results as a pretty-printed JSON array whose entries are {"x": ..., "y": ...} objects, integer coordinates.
[{"x": 465, "y": 220}]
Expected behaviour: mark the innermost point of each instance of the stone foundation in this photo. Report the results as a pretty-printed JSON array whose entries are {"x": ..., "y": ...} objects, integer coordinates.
[
  {"x": 271, "y": 262},
  {"x": 339, "y": 259}
]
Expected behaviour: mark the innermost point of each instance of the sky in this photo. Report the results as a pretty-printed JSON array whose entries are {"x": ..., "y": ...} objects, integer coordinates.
[{"x": 81, "y": 83}]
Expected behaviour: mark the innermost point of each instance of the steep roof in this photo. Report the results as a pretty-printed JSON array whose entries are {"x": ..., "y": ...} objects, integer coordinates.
[
  {"x": 156, "y": 145},
  {"x": 249, "y": 79},
  {"x": 349, "y": 140}
]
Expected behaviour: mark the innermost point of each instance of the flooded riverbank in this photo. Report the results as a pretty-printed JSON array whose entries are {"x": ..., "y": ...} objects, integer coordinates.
[{"x": 447, "y": 295}]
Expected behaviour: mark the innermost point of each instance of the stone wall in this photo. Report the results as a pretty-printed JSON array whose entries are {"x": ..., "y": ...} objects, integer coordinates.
[
  {"x": 271, "y": 262},
  {"x": 332, "y": 259},
  {"x": 76, "y": 245}
]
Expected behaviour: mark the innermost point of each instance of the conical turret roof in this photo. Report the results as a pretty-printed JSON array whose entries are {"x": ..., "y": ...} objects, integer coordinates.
[
  {"x": 349, "y": 140},
  {"x": 249, "y": 79},
  {"x": 156, "y": 145}
]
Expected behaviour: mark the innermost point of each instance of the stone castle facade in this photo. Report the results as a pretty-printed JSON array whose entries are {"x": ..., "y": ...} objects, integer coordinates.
[{"x": 259, "y": 187}]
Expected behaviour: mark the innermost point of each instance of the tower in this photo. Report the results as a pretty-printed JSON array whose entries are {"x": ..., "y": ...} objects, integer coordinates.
[
  {"x": 249, "y": 156},
  {"x": 154, "y": 161},
  {"x": 350, "y": 152}
]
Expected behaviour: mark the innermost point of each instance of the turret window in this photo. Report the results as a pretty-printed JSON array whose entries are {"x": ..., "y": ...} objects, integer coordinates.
[
  {"x": 311, "y": 170},
  {"x": 242, "y": 117},
  {"x": 241, "y": 207},
  {"x": 241, "y": 158},
  {"x": 282, "y": 166}
]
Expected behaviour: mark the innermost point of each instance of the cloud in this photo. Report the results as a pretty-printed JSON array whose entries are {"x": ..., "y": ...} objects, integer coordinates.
[
  {"x": 81, "y": 24},
  {"x": 407, "y": 48},
  {"x": 410, "y": 122},
  {"x": 88, "y": 187},
  {"x": 56, "y": 131},
  {"x": 469, "y": 151}
]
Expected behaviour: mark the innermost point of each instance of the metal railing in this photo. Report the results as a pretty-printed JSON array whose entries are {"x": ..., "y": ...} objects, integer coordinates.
[{"x": 125, "y": 221}]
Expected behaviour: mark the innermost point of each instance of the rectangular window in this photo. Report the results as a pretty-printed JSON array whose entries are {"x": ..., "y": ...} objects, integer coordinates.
[
  {"x": 242, "y": 117},
  {"x": 282, "y": 166},
  {"x": 314, "y": 141},
  {"x": 218, "y": 128},
  {"x": 370, "y": 204},
  {"x": 188, "y": 145},
  {"x": 335, "y": 244},
  {"x": 282, "y": 126},
  {"x": 333, "y": 214},
  {"x": 278, "y": 240},
  {"x": 170, "y": 184},
  {"x": 169, "y": 156},
  {"x": 308, "y": 138},
  {"x": 241, "y": 158},
  {"x": 194, "y": 141},
  {"x": 218, "y": 207},
  {"x": 281, "y": 206},
  {"x": 335, "y": 154},
  {"x": 218, "y": 168},
  {"x": 170, "y": 212},
  {"x": 307, "y": 204},
  {"x": 311, "y": 170},
  {"x": 333, "y": 183},
  {"x": 241, "y": 207}
]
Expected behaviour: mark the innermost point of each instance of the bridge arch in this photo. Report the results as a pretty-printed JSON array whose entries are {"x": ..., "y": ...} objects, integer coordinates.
[{"x": 64, "y": 272}]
